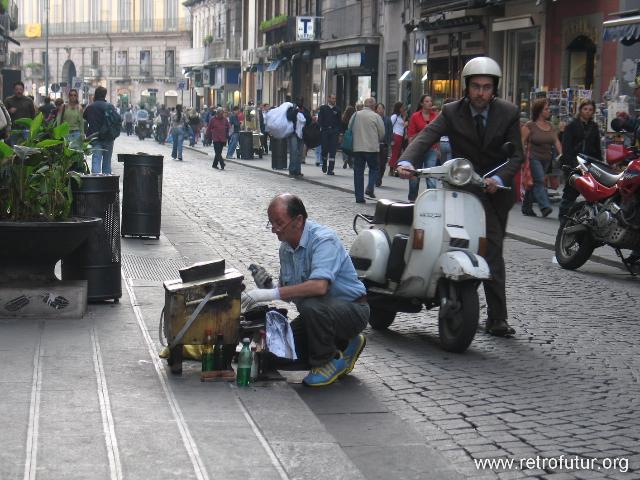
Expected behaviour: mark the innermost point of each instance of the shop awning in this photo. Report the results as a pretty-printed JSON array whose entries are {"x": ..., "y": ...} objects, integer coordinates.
[
  {"x": 512, "y": 23},
  {"x": 406, "y": 76},
  {"x": 273, "y": 66},
  {"x": 625, "y": 30},
  {"x": 170, "y": 93}
]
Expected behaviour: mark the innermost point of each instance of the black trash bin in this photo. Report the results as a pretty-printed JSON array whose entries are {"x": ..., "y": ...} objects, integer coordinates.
[
  {"x": 278, "y": 153},
  {"x": 98, "y": 259},
  {"x": 141, "y": 195},
  {"x": 246, "y": 145}
]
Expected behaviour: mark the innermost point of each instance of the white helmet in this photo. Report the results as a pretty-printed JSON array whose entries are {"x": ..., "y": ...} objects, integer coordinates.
[{"x": 482, "y": 66}]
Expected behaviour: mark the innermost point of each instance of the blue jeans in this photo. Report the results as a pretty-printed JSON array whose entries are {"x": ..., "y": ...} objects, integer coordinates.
[
  {"x": 101, "y": 156},
  {"x": 430, "y": 159},
  {"x": 233, "y": 143},
  {"x": 75, "y": 139},
  {"x": 177, "y": 133},
  {"x": 539, "y": 190},
  {"x": 361, "y": 160},
  {"x": 445, "y": 151},
  {"x": 295, "y": 150}
]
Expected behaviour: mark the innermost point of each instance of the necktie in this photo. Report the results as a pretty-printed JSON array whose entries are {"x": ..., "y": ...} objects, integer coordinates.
[{"x": 480, "y": 126}]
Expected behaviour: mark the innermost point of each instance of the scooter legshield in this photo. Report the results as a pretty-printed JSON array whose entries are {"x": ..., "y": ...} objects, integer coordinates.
[{"x": 462, "y": 265}]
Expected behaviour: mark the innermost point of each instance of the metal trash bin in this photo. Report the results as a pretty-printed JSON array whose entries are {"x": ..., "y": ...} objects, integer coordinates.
[
  {"x": 141, "y": 194},
  {"x": 98, "y": 258},
  {"x": 246, "y": 145},
  {"x": 278, "y": 153}
]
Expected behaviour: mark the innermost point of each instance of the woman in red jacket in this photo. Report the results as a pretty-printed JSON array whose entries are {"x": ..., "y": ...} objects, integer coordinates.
[
  {"x": 218, "y": 131},
  {"x": 422, "y": 117}
]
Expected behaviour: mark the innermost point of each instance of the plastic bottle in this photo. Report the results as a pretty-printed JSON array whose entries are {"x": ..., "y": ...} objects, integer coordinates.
[
  {"x": 207, "y": 352},
  {"x": 254, "y": 365},
  {"x": 243, "y": 374},
  {"x": 218, "y": 354}
]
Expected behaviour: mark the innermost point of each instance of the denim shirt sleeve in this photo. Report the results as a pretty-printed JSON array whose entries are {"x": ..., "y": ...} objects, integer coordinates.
[{"x": 325, "y": 261}]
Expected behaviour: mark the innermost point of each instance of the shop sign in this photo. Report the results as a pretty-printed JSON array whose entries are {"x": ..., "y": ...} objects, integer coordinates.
[
  {"x": 305, "y": 28},
  {"x": 342, "y": 60},
  {"x": 331, "y": 62},
  {"x": 421, "y": 47}
]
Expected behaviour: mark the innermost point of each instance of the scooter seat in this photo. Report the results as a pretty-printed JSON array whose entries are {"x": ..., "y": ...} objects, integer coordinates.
[
  {"x": 397, "y": 213},
  {"x": 604, "y": 174}
]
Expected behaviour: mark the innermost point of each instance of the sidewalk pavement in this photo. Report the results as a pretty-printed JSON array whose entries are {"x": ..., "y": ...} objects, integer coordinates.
[{"x": 534, "y": 230}]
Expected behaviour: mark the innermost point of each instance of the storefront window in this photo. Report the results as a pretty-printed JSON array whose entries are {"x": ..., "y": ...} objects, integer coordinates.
[
  {"x": 364, "y": 88},
  {"x": 522, "y": 69},
  {"x": 581, "y": 62}
]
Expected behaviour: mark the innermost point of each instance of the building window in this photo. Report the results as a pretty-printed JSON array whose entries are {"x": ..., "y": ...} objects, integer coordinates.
[
  {"x": 125, "y": 8},
  {"x": 171, "y": 15},
  {"x": 95, "y": 58},
  {"x": 146, "y": 15},
  {"x": 122, "y": 63},
  {"x": 521, "y": 74},
  {"x": 145, "y": 63},
  {"x": 170, "y": 63}
]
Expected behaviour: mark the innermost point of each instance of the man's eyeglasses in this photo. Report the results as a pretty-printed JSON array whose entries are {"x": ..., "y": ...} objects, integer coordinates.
[
  {"x": 481, "y": 88},
  {"x": 278, "y": 229}
]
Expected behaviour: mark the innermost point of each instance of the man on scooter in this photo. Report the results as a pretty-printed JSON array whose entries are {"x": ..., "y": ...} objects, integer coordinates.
[
  {"x": 317, "y": 275},
  {"x": 478, "y": 126}
]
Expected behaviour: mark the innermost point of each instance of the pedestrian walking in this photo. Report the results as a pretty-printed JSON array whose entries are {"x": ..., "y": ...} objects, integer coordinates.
[
  {"x": 296, "y": 145},
  {"x": 539, "y": 138},
  {"x": 347, "y": 157},
  {"x": 422, "y": 117},
  {"x": 385, "y": 144},
  {"x": 194, "y": 126},
  {"x": 264, "y": 136},
  {"x": 218, "y": 131},
  {"x": 178, "y": 130},
  {"x": 478, "y": 125},
  {"x": 71, "y": 114},
  {"x": 19, "y": 106},
  {"x": 368, "y": 131},
  {"x": 318, "y": 276},
  {"x": 581, "y": 135},
  {"x": 399, "y": 125},
  {"x": 128, "y": 122},
  {"x": 329, "y": 122},
  {"x": 105, "y": 123},
  {"x": 47, "y": 108},
  {"x": 234, "y": 121}
]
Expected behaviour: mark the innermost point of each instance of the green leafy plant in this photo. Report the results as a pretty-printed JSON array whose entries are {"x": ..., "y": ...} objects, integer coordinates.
[
  {"x": 36, "y": 174},
  {"x": 208, "y": 40},
  {"x": 274, "y": 22}
]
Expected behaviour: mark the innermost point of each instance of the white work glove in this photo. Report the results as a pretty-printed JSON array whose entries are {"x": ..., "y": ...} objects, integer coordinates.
[{"x": 249, "y": 299}]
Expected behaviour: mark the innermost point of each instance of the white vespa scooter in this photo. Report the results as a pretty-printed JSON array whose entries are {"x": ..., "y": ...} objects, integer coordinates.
[{"x": 430, "y": 253}]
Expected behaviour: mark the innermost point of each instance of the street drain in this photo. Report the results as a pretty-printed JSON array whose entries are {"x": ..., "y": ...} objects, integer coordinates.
[{"x": 150, "y": 268}]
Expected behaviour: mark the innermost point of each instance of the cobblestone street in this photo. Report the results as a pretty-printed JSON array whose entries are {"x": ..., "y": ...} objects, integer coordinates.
[{"x": 567, "y": 384}]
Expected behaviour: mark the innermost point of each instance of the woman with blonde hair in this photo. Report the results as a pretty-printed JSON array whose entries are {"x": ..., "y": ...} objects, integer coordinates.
[{"x": 71, "y": 114}]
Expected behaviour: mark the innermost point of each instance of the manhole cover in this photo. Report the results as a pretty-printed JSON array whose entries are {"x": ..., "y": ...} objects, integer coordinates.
[{"x": 150, "y": 268}]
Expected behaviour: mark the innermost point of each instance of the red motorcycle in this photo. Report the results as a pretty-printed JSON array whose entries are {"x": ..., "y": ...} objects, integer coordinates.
[{"x": 610, "y": 214}]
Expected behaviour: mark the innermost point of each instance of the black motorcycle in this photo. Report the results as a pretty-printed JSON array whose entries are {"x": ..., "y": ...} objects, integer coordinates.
[{"x": 143, "y": 129}]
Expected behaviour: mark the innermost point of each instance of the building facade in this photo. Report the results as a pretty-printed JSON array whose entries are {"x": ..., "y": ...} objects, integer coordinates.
[
  {"x": 212, "y": 63},
  {"x": 130, "y": 47}
]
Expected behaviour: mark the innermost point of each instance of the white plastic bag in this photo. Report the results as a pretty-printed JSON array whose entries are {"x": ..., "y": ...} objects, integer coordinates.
[
  {"x": 276, "y": 123},
  {"x": 280, "y": 336}
]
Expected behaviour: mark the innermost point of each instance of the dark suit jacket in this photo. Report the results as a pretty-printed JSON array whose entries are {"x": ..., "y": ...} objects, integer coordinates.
[{"x": 456, "y": 122}]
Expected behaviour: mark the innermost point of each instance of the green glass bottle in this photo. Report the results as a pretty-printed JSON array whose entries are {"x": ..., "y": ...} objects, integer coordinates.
[
  {"x": 207, "y": 352},
  {"x": 218, "y": 354},
  {"x": 243, "y": 374}
]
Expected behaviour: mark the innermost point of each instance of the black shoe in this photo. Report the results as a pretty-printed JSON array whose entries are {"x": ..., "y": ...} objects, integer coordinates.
[
  {"x": 499, "y": 328},
  {"x": 324, "y": 167},
  {"x": 528, "y": 212},
  {"x": 179, "y": 159},
  {"x": 361, "y": 201},
  {"x": 547, "y": 211},
  {"x": 330, "y": 172},
  {"x": 369, "y": 194},
  {"x": 214, "y": 166},
  {"x": 379, "y": 183}
]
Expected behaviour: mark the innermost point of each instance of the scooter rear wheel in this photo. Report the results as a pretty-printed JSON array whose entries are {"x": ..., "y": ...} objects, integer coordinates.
[
  {"x": 380, "y": 319},
  {"x": 457, "y": 324},
  {"x": 573, "y": 249}
]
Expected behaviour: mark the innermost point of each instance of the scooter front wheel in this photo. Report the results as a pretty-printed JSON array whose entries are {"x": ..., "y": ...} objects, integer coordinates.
[{"x": 459, "y": 315}]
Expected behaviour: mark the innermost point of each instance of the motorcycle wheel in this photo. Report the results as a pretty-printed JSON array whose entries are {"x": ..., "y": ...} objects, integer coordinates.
[
  {"x": 573, "y": 249},
  {"x": 458, "y": 324},
  {"x": 380, "y": 319}
]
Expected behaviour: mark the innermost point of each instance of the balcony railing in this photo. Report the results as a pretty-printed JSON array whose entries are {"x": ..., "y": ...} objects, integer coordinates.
[
  {"x": 115, "y": 27},
  {"x": 342, "y": 22},
  {"x": 220, "y": 50},
  {"x": 131, "y": 72}
]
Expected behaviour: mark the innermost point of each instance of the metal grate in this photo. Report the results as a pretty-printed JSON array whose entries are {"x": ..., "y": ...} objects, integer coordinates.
[{"x": 150, "y": 268}]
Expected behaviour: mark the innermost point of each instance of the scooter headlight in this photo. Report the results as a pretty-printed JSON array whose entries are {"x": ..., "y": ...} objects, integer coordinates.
[{"x": 460, "y": 172}]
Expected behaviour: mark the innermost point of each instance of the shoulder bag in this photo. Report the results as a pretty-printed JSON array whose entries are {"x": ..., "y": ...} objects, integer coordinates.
[{"x": 347, "y": 138}]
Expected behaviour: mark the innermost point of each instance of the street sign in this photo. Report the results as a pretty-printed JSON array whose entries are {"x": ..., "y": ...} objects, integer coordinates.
[
  {"x": 182, "y": 85},
  {"x": 55, "y": 88},
  {"x": 305, "y": 30}
]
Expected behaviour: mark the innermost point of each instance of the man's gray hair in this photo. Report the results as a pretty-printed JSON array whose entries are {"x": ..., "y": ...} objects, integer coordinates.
[{"x": 370, "y": 103}]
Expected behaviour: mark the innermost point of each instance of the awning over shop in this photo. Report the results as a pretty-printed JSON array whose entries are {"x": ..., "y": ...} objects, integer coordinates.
[
  {"x": 625, "y": 30},
  {"x": 406, "y": 77},
  {"x": 273, "y": 66},
  {"x": 170, "y": 93}
]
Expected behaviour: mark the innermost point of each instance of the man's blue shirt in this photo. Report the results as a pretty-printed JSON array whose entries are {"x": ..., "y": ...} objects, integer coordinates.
[{"x": 320, "y": 256}]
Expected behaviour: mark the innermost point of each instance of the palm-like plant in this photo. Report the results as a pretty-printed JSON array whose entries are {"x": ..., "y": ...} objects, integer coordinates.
[{"x": 36, "y": 175}]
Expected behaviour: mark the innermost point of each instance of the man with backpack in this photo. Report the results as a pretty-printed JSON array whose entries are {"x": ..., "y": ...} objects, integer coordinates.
[{"x": 104, "y": 125}]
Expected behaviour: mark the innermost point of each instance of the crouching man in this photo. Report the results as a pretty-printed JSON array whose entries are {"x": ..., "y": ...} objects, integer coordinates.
[{"x": 317, "y": 275}]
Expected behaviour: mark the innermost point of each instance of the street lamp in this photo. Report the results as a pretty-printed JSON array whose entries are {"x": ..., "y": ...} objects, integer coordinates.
[{"x": 46, "y": 49}]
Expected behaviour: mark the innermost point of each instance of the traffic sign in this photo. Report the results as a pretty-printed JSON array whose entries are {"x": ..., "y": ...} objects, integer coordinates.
[
  {"x": 55, "y": 88},
  {"x": 182, "y": 85}
]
